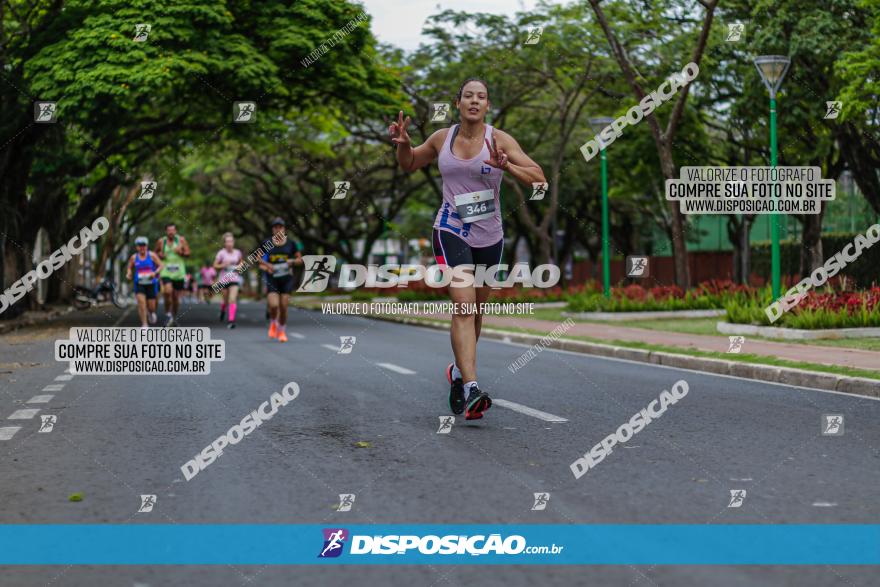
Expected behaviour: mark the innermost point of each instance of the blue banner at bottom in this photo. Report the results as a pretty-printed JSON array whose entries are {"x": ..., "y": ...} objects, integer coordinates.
[{"x": 266, "y": 544}]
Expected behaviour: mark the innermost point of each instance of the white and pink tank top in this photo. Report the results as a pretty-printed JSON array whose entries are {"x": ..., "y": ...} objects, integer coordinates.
[
  {"x": 228, "y": 260},
  {"x": 471, "y": 195}
]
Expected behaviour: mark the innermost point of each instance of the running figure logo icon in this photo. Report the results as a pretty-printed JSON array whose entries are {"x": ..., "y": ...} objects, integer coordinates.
[
  {"x": 340, "y": 190},
  {"x": 446, "y": 423},
  {"x": 441, "y": 112},
  {"x": 44, "y": 112},
  {"x": 48, "y": 422},
  {"x": 244, "y": 112},
  {"x": 318, "y": 269},
  {"x": 538, "y": 190},
  {"x": 147, "y": 503},
  {"x": 346, "y": 501},
  {"x": 541, "y": 500},
  {"x": 346, "y": 344},
  {"x": 832, "y": 109},
  {"x": 637, "y": 266},
  {"x": 736, "y": 343},
  {"x": 334, "y": 541},
  {"x": 832, "y": 424},
  {"x": 534, "y": 35},
  {"x": 148, "y": 190},
  {"x": 141, "y": 32},
  {"x": 735, "y": 31},
  {"x": 737, "y": 496}
]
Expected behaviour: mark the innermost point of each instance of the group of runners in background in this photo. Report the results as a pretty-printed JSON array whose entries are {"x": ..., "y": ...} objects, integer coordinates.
[{"x": 163, "y": 269}]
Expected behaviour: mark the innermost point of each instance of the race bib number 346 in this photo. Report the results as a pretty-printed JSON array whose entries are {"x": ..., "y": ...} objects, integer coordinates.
[{"x": 475, "y": 206}]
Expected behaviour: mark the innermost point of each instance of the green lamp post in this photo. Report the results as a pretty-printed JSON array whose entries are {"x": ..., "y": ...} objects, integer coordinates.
[
  {"x": 773, "y": 69},
  {"x": 598, "y": 124}
]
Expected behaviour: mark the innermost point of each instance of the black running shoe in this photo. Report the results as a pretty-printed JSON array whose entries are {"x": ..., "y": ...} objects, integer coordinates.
[
  {"x": 231, "y": 325},
  {"x": 456, "y": 392},
  {"x": 477, "y": 403}
]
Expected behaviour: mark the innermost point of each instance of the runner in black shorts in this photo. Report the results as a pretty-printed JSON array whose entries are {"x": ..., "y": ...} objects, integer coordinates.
[
  {"x": 452, "y": 251},
  {"x": 144, "y": 267},
  {"x": 277, "y": 263},
  {"x": 472, "y": 157},
  {"x": 173, "y": 250}
]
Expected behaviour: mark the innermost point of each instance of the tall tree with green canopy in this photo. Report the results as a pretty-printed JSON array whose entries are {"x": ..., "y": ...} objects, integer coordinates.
[
  {"x": 119, "y": 101},
  {"x": 859, "y": 71},
  {"x": 686, "y": 42}
]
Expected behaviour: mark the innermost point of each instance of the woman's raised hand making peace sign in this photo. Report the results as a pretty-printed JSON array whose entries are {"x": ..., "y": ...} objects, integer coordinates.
[
  {"x": 497, "y": 157},
  {"x": 397, "y": 130}
]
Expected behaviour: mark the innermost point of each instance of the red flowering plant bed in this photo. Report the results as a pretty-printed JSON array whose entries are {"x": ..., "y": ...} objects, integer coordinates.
[
  {"x": 708, "y": 295},
  {"x": 817, "y": 310}
]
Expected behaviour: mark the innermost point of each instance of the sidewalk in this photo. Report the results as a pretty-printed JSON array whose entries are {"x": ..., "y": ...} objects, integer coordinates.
[
  {"x": 34, "y": 318},
  {"x": 822, "y": 355}
]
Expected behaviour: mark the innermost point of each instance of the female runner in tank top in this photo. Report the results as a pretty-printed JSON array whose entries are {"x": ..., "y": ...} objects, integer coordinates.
[
  {"x": 472, "y": 157},
  {"x": 228, "y": 263},
  {"x": 144, "y": 267}
]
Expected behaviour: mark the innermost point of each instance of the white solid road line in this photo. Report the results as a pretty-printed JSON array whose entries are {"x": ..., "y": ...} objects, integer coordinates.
[
  {"x": 527, "y": 411},
  {"x": 40, "y": 399},
  {"x": 396, "y": 368},
  {"x": 65, "y": 377},
  {"x": 25, "y": 414},
  {"x": 54, "y": 387},
  {"x": 296, "y": 335},
  {"x": 8, "y": 432}
]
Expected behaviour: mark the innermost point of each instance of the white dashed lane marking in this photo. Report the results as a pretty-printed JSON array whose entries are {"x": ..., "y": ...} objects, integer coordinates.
[
  {"x": 396, "y": 368},
  {"x": 65, "y": 377},
  {"x": 54, "y": 387},
  {"x": 40, "y": 399},
  {"x": 296, "y": 335},
  {"x": 25, "y": 414},
  {"x": 8, "y": 432},
  {"x": 527, "y": 411},
  {"x": 331, "y": 347}
]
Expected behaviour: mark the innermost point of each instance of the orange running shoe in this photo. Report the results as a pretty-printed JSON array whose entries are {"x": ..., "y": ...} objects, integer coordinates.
[
  {"x": 273, "y": 330},
  {"x": 282, "y": 336}
]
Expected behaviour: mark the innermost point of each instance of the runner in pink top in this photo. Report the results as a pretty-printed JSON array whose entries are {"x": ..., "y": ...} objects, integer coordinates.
[
  {"x": 472, "y": 157},
  {"x": 208, "y": 275},
  {"x": 228, "y": 263}
]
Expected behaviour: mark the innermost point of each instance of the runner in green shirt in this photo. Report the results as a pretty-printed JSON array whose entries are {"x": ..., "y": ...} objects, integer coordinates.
[{"x": 172, "y": 249}]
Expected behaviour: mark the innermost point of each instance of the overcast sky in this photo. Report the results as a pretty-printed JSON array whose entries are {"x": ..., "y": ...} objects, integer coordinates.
[{"x": 399, "y": 22}]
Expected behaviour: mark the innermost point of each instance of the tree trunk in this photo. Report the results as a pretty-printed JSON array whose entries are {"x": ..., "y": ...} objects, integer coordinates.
[
  {"x": 676, "y": 232},
  {"x": 811, "y": 251}
]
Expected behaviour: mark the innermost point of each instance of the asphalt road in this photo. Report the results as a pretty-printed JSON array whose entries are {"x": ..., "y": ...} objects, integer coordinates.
[{"x": 366, "y": 423}]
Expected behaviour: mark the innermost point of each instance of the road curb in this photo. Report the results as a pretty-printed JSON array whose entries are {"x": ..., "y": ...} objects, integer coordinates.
[
  {"x": 758, "y": 372},
  {"x": 778, "y": 333}
]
